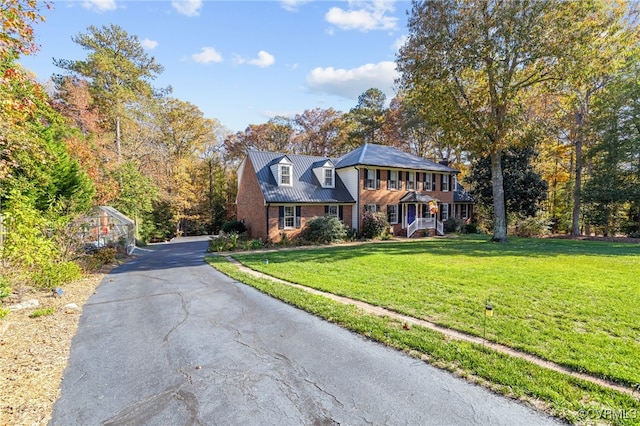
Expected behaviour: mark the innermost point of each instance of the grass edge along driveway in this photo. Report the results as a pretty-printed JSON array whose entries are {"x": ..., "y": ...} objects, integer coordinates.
[{"x": 511, "y": 377}]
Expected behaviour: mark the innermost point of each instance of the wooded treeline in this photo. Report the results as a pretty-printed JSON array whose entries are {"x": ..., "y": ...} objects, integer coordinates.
[{"x": 537, "y": 102}]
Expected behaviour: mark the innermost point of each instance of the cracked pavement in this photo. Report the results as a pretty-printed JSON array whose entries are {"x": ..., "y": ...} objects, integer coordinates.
[{"x": 168, "y": 340}]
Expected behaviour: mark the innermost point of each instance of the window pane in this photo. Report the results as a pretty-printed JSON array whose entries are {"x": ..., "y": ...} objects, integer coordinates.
[
  {"x": 328, "y": 177},
  {"x": 285, "y": 175},
  {"x": 427, "y": 182},
  {"x": 392, "y": 213},
  {"x": 289, "y": 217},
  {"x": 370, "y": 182},
  {"x": 411, "y": 180}
]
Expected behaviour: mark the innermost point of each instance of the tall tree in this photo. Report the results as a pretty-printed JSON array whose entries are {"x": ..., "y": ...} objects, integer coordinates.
[
  {"x": 367, "y": 117},
  {"x": 275, "y": 135},
  {"x": 319, "y": 132},
  {"x": 184, "y": 135},
  {"x": 118, "y": 70},
  {"x": 614, "y": 181},
  {"x": 524, "y": 188},
  {"x": 606, "y": 39},
  {"x": 17, "y": 18},
  {"x": 477, "y": 60},
  {"x": 90, "y": 146}
]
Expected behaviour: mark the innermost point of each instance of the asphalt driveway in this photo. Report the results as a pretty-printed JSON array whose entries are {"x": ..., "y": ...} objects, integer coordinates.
[{"x": 167, "y": 340}]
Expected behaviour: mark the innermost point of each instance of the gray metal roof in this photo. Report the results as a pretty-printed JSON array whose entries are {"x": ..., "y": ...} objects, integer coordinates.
[
  {"x": 388, "y": 156},
  {"x": 461, "y": 195},
  {"x": 305, "y": 186}
]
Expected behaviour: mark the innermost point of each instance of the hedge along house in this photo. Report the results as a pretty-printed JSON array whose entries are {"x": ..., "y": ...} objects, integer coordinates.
[{"x": 278, "y": 193}]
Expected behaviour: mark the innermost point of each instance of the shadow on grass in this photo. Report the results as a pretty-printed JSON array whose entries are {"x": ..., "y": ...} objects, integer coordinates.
[{"x": 475, "y": 246}]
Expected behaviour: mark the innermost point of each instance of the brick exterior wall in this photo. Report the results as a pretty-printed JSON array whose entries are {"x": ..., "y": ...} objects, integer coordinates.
[
  {"x": 383, "y": 196},
  {"x": 307, "y": 212},
  {"x": 250, "y": 203},
  {"x": 253, "y": 211}
]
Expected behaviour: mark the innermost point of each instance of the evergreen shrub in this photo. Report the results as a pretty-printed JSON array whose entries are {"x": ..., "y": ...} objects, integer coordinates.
[
  {"x": 374, "y": 225},
  {"x": 324, "y": 230}
]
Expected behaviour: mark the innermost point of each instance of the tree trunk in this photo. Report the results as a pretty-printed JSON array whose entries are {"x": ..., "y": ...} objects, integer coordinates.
[
  {"x": 499, "y": 207},
  {"x": 577, "y": 189},
  {"x": 118, "y": 151}
]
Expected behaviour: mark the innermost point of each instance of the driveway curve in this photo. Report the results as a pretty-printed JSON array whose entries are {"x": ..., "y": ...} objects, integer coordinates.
[{"x": 168, "y": 340}]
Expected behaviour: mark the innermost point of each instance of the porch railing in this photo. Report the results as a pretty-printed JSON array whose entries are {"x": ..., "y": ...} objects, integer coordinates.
[{"x": 421, "y": 223}]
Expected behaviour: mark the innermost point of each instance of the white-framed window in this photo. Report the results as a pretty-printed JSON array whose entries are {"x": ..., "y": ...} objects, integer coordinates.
[
  {"x": 392, "y": 213},
  {"x": 444, "y": 212},
  {"x": 393, "y": 181},
  {"x": 370, "y": 179},
  {"x": 429, "y": 182},
  {"x": 328, "y": 177},
  {"x": 331, "y": 211},
  {"x": 285, "y": 174},
  {"x": 370, "y": 208},
  {"x": 445, "y": 183},
  {"x": 289, "y": 217},
  {"x": 411, "y": 181}
]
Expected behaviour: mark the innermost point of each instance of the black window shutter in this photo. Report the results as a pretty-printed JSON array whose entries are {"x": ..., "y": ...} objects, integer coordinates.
[
  {"x": 366, "y": 176},
  {"x": 418, "y": 180},
  {"x": 399, "y": 213},
  {"x": 378, "y": 179},
  {"x": 298, "y": 214},
  {"x": 281, "y": 217},
  {"x": 451, "y": 188},
  {"x": 340, "y": 212},
  {"x": 326, "y": 210},
  {"x": 433, "y": 181}
]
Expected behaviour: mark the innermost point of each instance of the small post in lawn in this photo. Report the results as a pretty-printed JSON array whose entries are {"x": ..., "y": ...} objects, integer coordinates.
[{"x": 488, "y": 312}]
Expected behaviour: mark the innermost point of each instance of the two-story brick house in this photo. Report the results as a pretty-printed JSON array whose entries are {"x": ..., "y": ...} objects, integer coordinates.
[{"x": 278, "y": 193}]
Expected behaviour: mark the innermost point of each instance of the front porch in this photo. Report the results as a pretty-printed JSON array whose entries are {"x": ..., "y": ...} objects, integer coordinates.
[{"x": 420, "y": 213}]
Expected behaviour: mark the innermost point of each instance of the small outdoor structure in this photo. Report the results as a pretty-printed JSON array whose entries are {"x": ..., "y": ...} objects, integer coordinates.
[{"x": 105, "y": 225}]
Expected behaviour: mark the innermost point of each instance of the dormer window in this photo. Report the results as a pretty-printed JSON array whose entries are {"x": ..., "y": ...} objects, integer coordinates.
[
  {"x": 285, "y": 174},
  {"x": 328, "y": 173},
  {"x": 325, "y": 173}
]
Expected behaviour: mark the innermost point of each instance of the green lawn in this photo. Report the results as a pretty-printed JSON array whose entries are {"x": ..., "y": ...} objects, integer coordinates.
[{"x": 576, "y": 303}]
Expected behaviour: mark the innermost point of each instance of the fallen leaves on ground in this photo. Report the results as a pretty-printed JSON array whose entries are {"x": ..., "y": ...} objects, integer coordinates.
[{"x": 35, "y": 351}]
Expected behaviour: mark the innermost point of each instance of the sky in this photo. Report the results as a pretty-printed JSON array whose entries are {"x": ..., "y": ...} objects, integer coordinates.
[{"x": 244, "y": 62}]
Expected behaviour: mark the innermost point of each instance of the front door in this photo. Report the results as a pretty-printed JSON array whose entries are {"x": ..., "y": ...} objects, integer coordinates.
[{"x": 411, "y": 213}]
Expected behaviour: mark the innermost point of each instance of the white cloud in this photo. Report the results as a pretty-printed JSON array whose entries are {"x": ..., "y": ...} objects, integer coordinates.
[
  {"x": 353, "y": 82},
  {"x": 208, "y": 54},
  {"x": 187, "y": 7},
  {"x": 401, "y": 41},
  {"x": 149, "y": 44},
  {"x": 263, "y": 60},
  {"x": 363, "y": 16},
  {"x": 292, "y": 5},
  {"x": 100, "y": 5}
]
